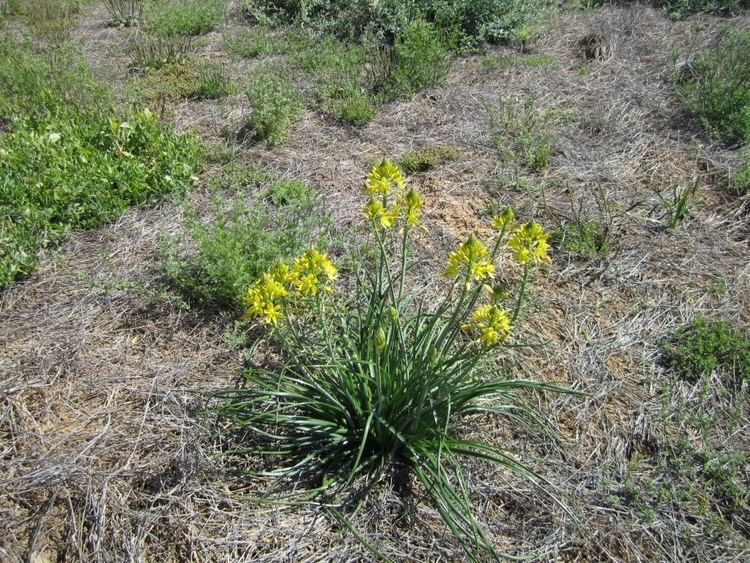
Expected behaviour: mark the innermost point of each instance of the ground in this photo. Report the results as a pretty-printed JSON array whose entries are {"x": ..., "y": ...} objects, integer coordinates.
[{"x": 108, "y": 454}]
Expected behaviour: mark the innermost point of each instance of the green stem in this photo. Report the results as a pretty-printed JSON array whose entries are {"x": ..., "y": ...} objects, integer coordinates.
[{"x": 521, "y": 293}]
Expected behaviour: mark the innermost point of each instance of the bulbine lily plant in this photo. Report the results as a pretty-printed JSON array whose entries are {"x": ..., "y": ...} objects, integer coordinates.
[{"x": 372, "y": 387}]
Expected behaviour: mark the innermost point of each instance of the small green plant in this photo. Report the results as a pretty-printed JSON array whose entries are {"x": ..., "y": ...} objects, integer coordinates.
[
  {"x": 213, "y": 81},
  {"x": 124, "y": 12},
  {"x": 677, "y": 204},
  {"x": 148, "y": 52},
  {"x": 521, "y": 133},
  {"x": 52, "y": 19},
  {"x": 705, "y": 346},
  {"x": 716, "y": 87},
  {"x": 275, "y": 106},
  {"x": 427, "y": 158},
  {"x": 587, "y": 237},
  {"x": 226, "y": 253},
  {"x": 169, "y": 18},
  {"x": 373, "y": 386}
]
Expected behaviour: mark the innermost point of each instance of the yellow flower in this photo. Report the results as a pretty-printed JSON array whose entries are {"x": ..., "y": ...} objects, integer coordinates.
[
  {"x": 530, "y": 243},
  {"x": 502, "y": 221},
  {"x": 382, "y": 177},
  {"x": 376, "y": 211},
  {"x": 491, "y": 323},
  {"x": 412, "y": 206},
  {"x": 472, "y": 254},
  {"x": 272, "y": 313}
]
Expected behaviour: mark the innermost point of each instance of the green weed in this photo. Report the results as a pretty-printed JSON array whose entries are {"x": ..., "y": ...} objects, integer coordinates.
[
  {"x": 224, "y": 254},
  {"x": 148, "y": 52},
  {"x": 587, "y": 237},
  {"x": 680, "y": 9},
  {"x": 521, "y": 133},
  {"x": 239, "y": 177},
  {"x": 427, "y": 158},
  {"x": 70, "y": 160},
  {"x": 716, "y": 87},
  {"x": 677, "y": 204},
  {"x": 170, "y": 18},
  {"x": 275, "y": 106},
  {"x": 705, "y": 346},
  {"x": 258, "y": 41}
]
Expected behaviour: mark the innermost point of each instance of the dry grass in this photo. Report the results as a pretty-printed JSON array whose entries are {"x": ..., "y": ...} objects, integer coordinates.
[{"x": 105, "y": 453}]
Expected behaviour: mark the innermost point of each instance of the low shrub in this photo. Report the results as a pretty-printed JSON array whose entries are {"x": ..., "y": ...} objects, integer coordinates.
[
  {"x": 148, "y": 52},
  {"x": 275, "y": 106},
  {"x": 680, "y": 9},
  {"x": 522, "y": 133},
  {"x": 374, "y": 386}
]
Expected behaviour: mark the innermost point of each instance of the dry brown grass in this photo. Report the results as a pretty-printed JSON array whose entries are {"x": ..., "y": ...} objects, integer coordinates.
[{"x": 105, "y": 453}]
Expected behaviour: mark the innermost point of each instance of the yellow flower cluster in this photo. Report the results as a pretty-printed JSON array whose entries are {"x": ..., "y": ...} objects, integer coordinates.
[
  {"x": 383, "y": 177},
  {"x": 504, "y": 220},
  {"x": 473, "y": 256},
  {"x": 267, "y": 297},
  {"x": 491, "y": 323},
  {"x": 530, "y": 243},
  {"x": 407, "y": 204}
]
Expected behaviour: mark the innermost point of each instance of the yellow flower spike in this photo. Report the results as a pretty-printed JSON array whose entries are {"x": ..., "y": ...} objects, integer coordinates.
[
  {"x": 530, "y": 243},
  {"x": 502, "y": 221},
  {"x": 413, "y": 207},
  {"x": 377, "y": 212},
  {"x": 382, "y": 177},
  {"x": 472, "y": 254},
  {"x": 308, "y": 285},
  {"x": 491, "y": 323}
]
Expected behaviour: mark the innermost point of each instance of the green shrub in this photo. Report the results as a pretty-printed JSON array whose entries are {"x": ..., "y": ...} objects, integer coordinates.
[
  {"x": 742, "y": 180},
  {"x": 717, "y": 87},
  {"x": 704, "y": 346},
  {"x": 427, "y": 158},
  {"x": 223, "y": 255},
  {"x": 275, "y": 106},
  {"x": 375, "y": 385},
  {"x": 466, "y": 22},
  {"x": 196, "y": 80},
  {"x": 70, "y": 160},
  {"x": 169, "y": 18},
  {"x": 419, "y": 60},
  {"x": 239, "y": 177}
]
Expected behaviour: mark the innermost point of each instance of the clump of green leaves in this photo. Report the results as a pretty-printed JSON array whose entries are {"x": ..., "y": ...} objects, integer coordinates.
[
  {"x": 427, "y": 158},
  {"x": 170, "y": 18},
  {"x": 372, "y": 386},
  {"x": 70, "y": 159},
  {"x": 587, "y": 237},
  {"x": 705, "y": 346},
  {"x": 522, "y": 133},
  {"x": 275, "y": 106},
  {"x": 716, "y": 87},
  {"x": 224, "y": 253},
  {"x": 504, "y": 61},
  {"x": 257, "y": 41},
  {"x": 148, "y": 52}
]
